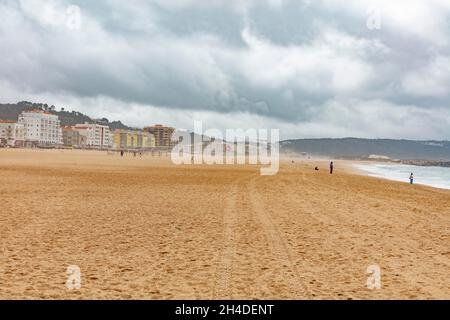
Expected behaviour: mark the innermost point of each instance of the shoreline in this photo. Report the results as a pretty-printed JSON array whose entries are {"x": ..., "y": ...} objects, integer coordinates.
[
  {"x": 349, "y": 166},
  {"x": 439, "y": 184}
]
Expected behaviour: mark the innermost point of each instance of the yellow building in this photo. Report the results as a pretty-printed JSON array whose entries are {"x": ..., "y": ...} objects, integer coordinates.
[
  {"x": 162, "y": 134},
  {"x": 132, "y": 139}
]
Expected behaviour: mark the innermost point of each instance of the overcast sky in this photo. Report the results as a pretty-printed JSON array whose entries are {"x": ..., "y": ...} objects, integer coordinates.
[{"x": 317, "y": 68}]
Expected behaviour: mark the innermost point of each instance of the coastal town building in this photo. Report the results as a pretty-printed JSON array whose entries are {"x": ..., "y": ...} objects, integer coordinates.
[
  {"x": 41, "y": 128},
  {"x": 73, "y": 138},
  {"x": 96, "y": 135},
  {"x": 162, "y": 134},
  {"x": 12, "y": 133},
  {"x": 132, "y": 139}
]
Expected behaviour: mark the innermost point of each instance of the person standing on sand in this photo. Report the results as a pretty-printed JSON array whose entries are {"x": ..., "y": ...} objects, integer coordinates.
[
  {"x": 411, "y": 178},
  {"x": 331, "y": 167}
]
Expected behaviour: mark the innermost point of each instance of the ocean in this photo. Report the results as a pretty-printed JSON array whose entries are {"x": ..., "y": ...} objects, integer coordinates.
[{"x": 437, "y": 177}]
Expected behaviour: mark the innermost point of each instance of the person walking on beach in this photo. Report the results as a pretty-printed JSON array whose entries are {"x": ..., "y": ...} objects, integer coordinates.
[
  {"x": 331, "y": 167},
  {"x": 411, "y": 178}
]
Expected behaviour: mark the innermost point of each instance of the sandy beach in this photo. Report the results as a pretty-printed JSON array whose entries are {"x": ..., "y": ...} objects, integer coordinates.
[{"x": 143, "y": 228}]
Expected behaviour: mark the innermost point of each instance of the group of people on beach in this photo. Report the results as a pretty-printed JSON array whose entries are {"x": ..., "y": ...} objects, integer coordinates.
[{"x": 411, "y": 177}]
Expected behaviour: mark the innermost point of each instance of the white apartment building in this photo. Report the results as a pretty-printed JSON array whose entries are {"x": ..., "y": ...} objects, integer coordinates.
[
  {"x": 96, "y": 135},
  {"x": 12, "y": 133},
  {"x": 41, "y": 127}
]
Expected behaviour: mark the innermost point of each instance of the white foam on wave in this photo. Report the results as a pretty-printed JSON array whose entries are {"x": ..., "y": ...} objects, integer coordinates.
[{"x": 437, "y": 177}]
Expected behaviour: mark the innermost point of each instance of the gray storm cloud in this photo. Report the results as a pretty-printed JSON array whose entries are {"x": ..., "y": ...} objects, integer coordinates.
[{"x": 311, "y": 68}]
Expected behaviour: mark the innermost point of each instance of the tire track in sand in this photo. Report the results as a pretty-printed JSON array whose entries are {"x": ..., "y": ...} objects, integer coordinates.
[
  {"x": 277, "y": 245},
  {"x": 223, "y": 282}
]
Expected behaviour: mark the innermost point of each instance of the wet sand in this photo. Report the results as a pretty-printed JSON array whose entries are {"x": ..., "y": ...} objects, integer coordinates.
[{"x": 142, "y": 228}]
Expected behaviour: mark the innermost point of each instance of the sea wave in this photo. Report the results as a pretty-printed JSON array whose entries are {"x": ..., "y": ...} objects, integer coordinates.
[{"x": 437, "y": 177}]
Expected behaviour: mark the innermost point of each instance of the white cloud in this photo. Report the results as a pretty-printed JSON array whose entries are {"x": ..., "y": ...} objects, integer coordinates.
[
  {"x": 432, "y": 79},
  {"x": 327, "y": 64},
  {"x": 426, "y": 19}
]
